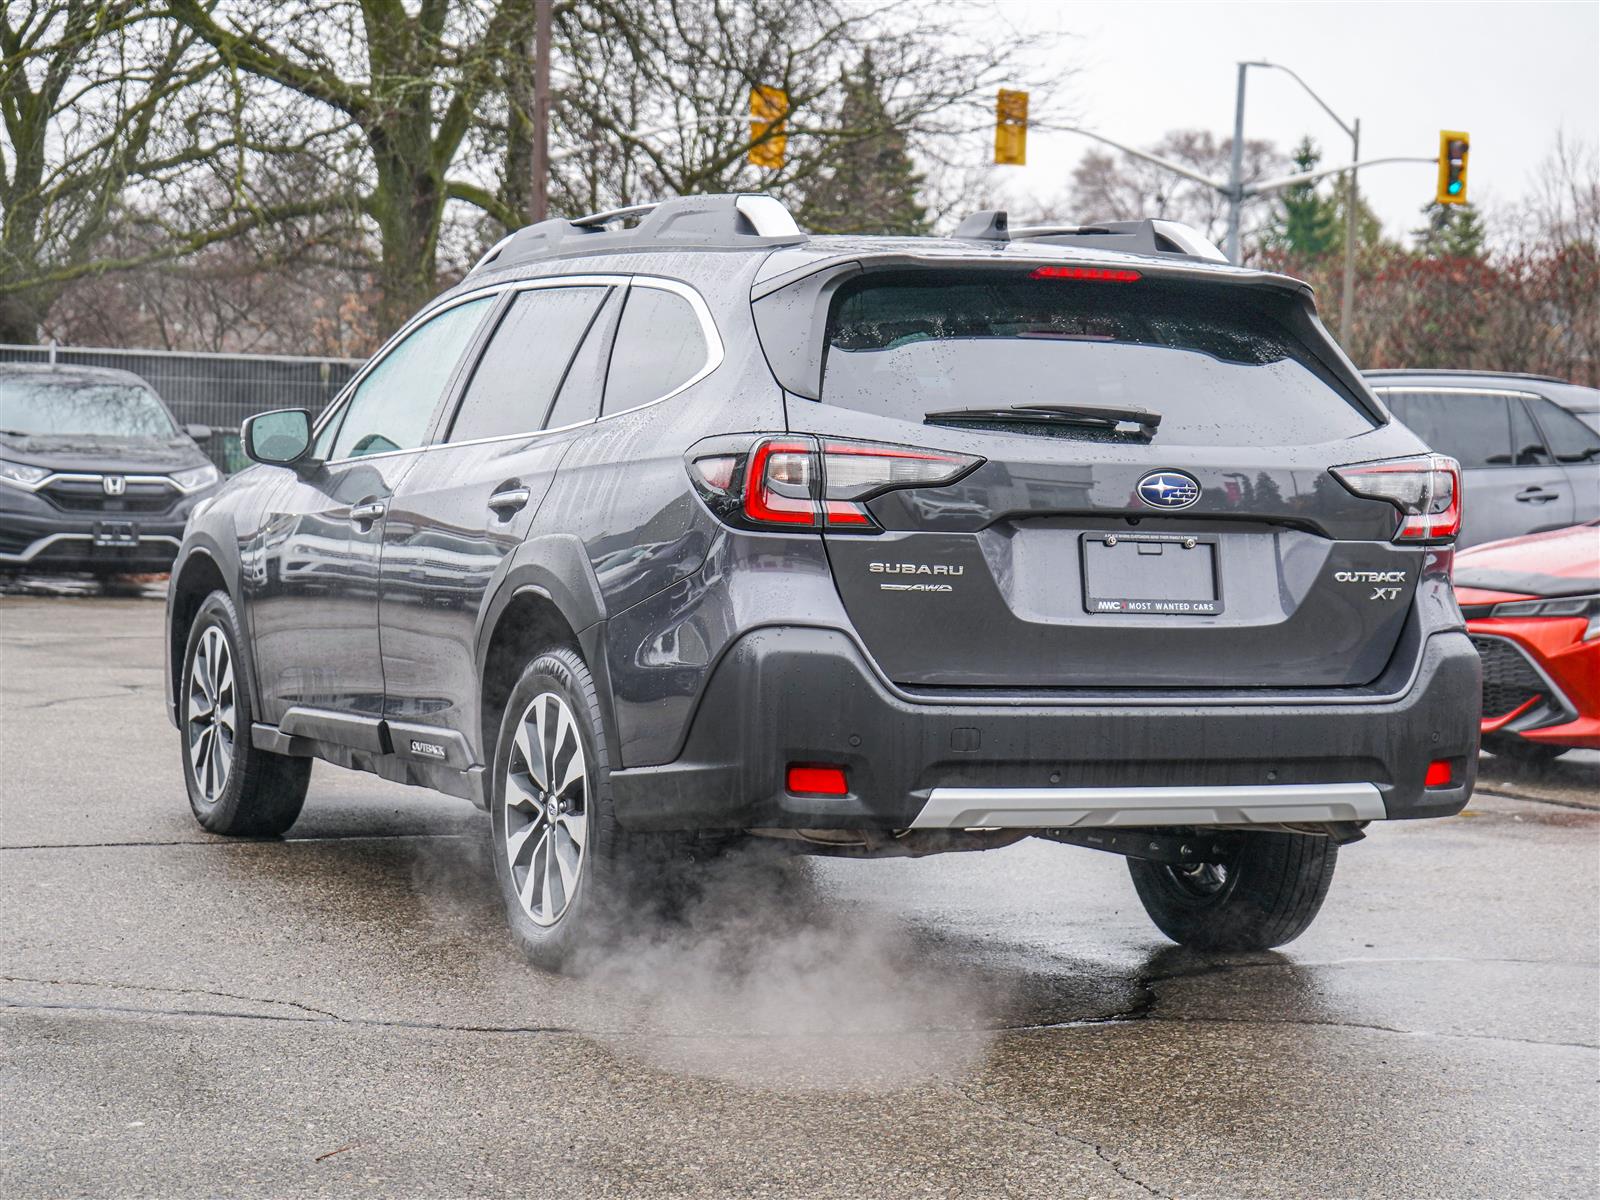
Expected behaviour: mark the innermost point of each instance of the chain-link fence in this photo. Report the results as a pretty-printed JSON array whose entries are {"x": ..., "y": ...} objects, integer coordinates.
[{"x": 219, "y": 390}]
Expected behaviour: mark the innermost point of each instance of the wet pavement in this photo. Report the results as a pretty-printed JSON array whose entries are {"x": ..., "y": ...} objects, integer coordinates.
[{"x": 341, "y": 1012}]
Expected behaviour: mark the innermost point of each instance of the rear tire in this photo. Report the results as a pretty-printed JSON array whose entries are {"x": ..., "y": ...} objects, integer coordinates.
[
  {"x": 570, "y": 875},
  {"x": 234, "y": 789},
  {"x": 1521, "y": 750},
  {"x": 1265, "y": 895}
]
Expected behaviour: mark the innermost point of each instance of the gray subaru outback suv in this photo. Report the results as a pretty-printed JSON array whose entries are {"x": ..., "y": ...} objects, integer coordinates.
[{"x": 674, "y": 526}]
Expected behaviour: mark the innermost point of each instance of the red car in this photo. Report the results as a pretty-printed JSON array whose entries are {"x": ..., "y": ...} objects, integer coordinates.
[{"x": 1533, "y": 609}]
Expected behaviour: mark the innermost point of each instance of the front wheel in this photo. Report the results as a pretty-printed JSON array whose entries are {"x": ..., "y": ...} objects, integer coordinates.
[
  {"x": 234, "y": 788},
  {"x": 1265, "y": 894}
]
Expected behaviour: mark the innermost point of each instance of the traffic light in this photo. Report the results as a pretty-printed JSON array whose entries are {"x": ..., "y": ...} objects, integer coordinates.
[
  {"x": 769, "y": 106},
  {"x": 1011, "y": 128},
  {"x": 1453, "y": 147}
]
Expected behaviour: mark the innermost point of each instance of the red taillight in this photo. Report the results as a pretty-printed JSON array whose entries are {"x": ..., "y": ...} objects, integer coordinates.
[
  {"x": 793, "y": 483},
  {"x": 780, "y": 485},
  {"x": 817, "y": 781},
  {"x": 1426, "y": 488},
  {"x": 1439, "y": 774},
  {"x": 1096, "y": 274}
]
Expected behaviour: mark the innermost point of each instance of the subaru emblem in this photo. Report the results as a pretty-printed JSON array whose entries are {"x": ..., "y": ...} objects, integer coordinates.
[
  {"x": 1168, "y": 489},
  {"x": 114, "y": 485}
]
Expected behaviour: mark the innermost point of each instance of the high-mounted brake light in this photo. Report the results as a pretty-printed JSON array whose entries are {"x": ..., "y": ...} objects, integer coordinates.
[
  {"x": 798, "y": 483},
  {"x": 1096, "y": 274},
  {"x": 1426, "y": 488}
]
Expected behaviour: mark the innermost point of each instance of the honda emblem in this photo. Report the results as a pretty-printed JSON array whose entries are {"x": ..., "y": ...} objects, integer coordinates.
[{"x": 114, "y": 485}]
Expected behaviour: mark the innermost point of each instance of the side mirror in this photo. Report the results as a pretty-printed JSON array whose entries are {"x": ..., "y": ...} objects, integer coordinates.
[
  {"x": 200, "y": 433},
  {"x": 279, "y": 439}
]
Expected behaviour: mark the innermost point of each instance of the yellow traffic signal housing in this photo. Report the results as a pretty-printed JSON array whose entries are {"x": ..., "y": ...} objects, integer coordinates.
[
  {"x": 1011, "y": 129},
  {"x": 1453, "y": 147},
  {"x": 769, "y": 106}
]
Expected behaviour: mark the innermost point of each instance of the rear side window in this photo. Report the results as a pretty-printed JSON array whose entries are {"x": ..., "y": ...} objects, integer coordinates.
[
  {"x": 1477, "y": 429},
  {"x": 660, "y": 347},
  {"x": 514, "y": 385},
  {"x": 1221, "y": 365},
  {"x": 1571, "y": 441}
]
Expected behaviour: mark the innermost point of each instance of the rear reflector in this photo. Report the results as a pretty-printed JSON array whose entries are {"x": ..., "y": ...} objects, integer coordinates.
[
  {"x": 1095, "y": 274},
  {"x": 1439, "y": 774},
  {"x": 1426, "y": 488},
  {"x": 817, "y": 781}
]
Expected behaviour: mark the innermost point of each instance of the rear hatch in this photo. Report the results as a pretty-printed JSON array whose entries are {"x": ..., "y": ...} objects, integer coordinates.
[{"x": 1153, "y": 507}]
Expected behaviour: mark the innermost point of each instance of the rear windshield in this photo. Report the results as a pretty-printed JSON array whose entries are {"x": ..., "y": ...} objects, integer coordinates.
[{"x": 1216, "y": 363}]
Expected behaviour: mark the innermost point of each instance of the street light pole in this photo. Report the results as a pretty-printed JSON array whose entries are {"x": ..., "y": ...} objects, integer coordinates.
[
  {"x": 1347, "y": 301},
  {"x": 1236, "y": 171},
  {"x": 1237, "y": 190},
  {"x": 539, "y": 198}
]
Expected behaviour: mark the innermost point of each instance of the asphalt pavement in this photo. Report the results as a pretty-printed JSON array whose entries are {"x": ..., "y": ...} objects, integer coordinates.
[{"x": 341, "y": 1013}]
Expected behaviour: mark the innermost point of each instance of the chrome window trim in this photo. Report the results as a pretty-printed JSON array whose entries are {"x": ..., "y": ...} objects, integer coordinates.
[
  {"x": 1385, "y": 390},
  {"x": 35, "y": 548},
  {"x": 715, "y": 354}
]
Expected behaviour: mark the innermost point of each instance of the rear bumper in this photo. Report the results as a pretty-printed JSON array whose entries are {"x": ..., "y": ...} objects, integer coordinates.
[{"x": 805, "y": 695}]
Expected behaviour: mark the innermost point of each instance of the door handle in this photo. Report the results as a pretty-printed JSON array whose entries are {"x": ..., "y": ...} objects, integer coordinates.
[
  {"x": 366, "y": 514},
  {"x": 510, "y": 500},
  {"x": 1537, "y": 495}
]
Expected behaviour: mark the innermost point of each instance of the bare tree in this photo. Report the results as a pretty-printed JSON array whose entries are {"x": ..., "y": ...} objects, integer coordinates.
[
  {"x": 1123, "y": 188},
  {"x": 87, "y": 92},
  {"x": 408, "y": 86}
]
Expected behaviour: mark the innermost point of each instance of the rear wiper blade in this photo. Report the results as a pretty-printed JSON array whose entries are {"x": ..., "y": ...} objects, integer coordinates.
[{"x": 1093, "y": 416}]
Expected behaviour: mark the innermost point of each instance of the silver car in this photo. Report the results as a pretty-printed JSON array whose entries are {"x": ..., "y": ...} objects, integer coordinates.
[{"x": 1528, "y": 445}]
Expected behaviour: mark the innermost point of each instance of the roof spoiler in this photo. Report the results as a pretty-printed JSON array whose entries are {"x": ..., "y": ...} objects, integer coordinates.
[{"x": 1131, "y": 237}]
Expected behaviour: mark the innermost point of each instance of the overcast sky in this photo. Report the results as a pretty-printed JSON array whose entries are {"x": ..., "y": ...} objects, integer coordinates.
[{"x": 1510, "y": 74}]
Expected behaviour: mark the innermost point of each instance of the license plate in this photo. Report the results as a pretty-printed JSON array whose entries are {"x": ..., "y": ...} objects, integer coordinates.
[
  {"x": 116, "y": 533},
  {"x": 1152, "y": 573}
]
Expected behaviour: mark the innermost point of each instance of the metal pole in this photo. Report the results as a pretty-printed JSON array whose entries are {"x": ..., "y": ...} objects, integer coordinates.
[
  {"x": 540, "y": 159},
  {"x": 1236, "y": 172},
  {"x": 1347, "y": 302}
]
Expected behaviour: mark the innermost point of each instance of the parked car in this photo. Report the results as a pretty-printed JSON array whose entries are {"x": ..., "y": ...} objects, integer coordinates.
[
  {"x": 1533, "y": 609},
  {"x": 95, "y": 474},
  {"x": 1530, "y": 461},
  {"x": 863, "y": 546}
]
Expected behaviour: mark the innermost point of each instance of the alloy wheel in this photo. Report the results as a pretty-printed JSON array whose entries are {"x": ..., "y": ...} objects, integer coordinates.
[
  {"x": 210, "y": 725},
  {"x": 546, "y": 808}
]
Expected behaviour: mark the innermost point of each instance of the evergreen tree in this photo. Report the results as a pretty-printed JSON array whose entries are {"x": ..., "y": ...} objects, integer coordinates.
[
  {"x": 871, "y": 185},
  {"x": 1311, "y": 225},
  {"x": 1452, "y": 231}
]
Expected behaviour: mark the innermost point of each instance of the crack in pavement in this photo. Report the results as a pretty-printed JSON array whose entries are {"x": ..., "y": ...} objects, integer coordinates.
[
  {"x": 1137, "y": 1015},
  {"x": 222, "y": 844},
  {"x": 128, "y": 689},
  {"x": 181, "y": 991},
  {"x": 1013, "y": 1118}
]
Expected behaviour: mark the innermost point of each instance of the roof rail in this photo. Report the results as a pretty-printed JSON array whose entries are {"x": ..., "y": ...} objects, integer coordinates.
[
  {"x": 727, "y": 221},
  {"x": 1135, "y": 237}
]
